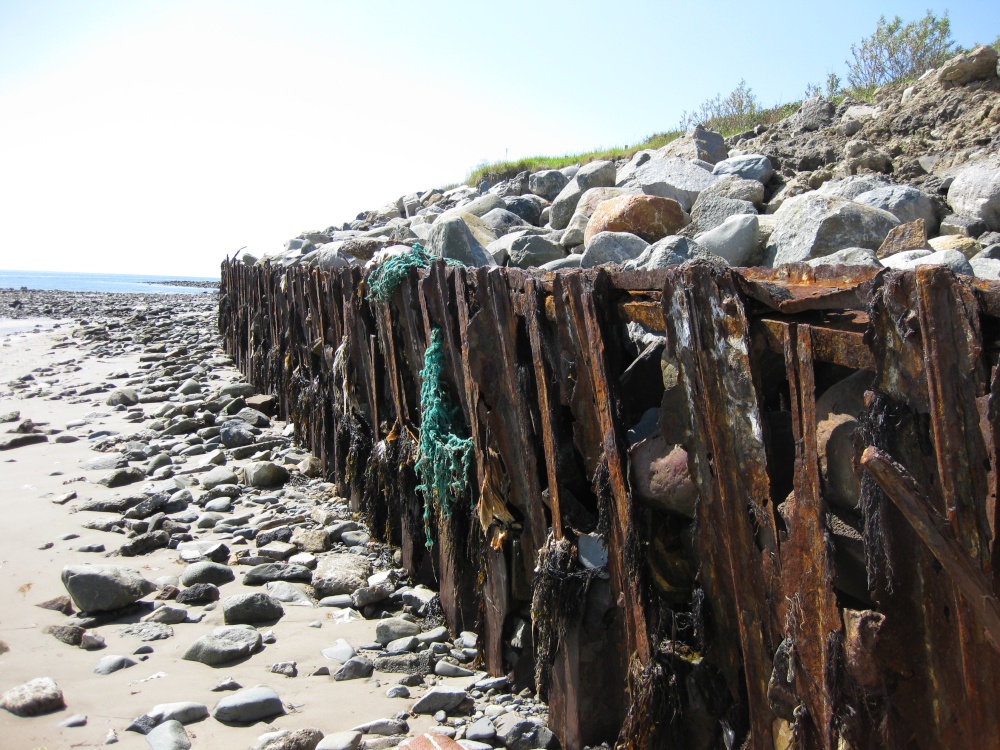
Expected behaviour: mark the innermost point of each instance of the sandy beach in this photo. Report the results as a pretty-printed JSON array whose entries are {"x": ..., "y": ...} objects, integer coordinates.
[{"x": 60, "y": 378}]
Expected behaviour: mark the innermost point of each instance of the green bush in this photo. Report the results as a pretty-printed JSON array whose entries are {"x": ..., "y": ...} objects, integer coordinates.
[{"x": 899, "y": 52}]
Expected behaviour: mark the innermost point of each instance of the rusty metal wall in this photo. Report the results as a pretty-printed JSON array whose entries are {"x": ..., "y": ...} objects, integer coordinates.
[{"x": 768, "y": 617}]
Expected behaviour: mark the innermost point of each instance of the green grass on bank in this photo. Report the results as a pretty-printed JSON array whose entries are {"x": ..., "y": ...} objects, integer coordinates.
[{"x": 727, "y": 125}]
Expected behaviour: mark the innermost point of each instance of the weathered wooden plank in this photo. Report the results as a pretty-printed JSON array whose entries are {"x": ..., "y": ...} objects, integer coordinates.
[
  {"x": 708, "y": 337},
  {"x": 939, "y": 539},
  {"x": 545, "y": 404},
  {"x": 813, "y": 620}
]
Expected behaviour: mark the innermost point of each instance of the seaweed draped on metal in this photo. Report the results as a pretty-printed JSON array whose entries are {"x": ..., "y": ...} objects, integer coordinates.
[{"x": 770, "y": 617}]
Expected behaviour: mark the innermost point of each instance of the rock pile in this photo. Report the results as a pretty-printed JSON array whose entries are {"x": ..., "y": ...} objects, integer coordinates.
[{"x": 831, "y": 184}]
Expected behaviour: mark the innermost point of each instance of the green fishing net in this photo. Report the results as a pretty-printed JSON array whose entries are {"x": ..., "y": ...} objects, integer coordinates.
[
  {"x": 388, "y": 275},
  {"x": 444, "y": 457}
]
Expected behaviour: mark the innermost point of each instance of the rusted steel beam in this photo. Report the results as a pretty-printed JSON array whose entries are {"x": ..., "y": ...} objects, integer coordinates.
[
  {"x": 939, "y": 539},
  {"x": 708, "y": 337},
  {"x": 812, "y": 621}
]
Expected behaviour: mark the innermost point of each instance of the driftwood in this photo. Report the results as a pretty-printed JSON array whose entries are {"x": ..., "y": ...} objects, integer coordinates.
[{"x": 730, "y": 629}]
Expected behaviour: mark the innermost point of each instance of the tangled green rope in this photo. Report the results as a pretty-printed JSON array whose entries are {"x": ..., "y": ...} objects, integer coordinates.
[
  {"x": 444, "y": 457},
  {"x": 388, "y": 275}
]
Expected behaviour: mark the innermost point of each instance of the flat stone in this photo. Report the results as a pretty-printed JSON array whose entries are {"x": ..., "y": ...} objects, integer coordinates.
[
  {"x": 224, "y": 644},
  {"x": 249, "y": 705},
  {"x": 439, "y": 699},
  {"x": 147, "y": 631},
  {"x": 112, "y": 663}
]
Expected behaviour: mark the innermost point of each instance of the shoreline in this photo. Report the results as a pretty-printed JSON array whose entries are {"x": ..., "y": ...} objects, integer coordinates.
[{"x": 60, "y": 376}]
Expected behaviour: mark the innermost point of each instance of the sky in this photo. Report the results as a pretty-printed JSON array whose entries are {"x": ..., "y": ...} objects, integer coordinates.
[{"x": 161, "y": 137}]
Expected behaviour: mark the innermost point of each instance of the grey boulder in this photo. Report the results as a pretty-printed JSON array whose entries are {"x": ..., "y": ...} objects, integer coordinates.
[
  {"x": 612, "y": 247},
  {"x": 105, "y": 588},
  {"x": 529, "y": 251},
  {"x": 170, "y": 735},
  {"x": 975, "y": 192},
  {"x": 393, "y": 628},
  {"x": 595, "y": 174},
  {"x": 735, "y": 240},
  {"x": 813, "y": 225},
  {"x": 547, "y": 183},
  {"x": 249, "y": 609},
  {"x": 450, "y": 237},
  {"x": 207, "y": 572},
  {"x": 849, "y": 256},
  {"x": 953, "y": 259},
  {"x": 748, "y": 166},
  {"x": 340, "y": 574},
  {"x": 439, "y": 699},
  {"x": 670, "y": 177},
  {"x": 265, "y": 474},
  {"x": 249, "y": 705},
  {"x": 904, "y": 202},
  {"x": 224, "y": 644}
]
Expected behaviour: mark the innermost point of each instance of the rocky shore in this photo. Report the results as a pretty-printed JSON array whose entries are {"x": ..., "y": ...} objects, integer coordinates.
[
  {"x": 909, "y": 178},
  {"x": 176, "y": 574}
]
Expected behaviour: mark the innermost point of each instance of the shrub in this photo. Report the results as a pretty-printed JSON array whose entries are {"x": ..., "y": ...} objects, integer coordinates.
[{"x": 898, "y": 51}]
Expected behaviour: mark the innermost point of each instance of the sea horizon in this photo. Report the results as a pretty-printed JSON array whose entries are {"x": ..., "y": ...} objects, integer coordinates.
[{"x": 101, "y": 282}]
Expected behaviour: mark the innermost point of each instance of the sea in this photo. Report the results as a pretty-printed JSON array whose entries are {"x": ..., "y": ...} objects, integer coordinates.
[{"x": 100, "y": 282}]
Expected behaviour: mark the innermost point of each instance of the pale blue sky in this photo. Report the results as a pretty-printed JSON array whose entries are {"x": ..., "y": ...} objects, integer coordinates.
[{"x": 156, "y": 137}]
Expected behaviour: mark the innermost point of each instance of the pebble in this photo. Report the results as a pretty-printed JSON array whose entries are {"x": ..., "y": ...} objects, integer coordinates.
[
  {"x": 76, "y": 720},
  {"x": 113, "y": 663}
]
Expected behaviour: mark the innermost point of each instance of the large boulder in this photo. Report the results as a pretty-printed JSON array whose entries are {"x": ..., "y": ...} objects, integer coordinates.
[
  {"x": 612, "y": 247},
  {"x": 852, "y": 187},
  {"x": 483, "y": 204},
  {"x": 450, "y": 237},
  {"x": 978, "y": 65},
  {"x": 104, "y": 588},
  {"x": 249, "y": 705},
  {"x": 527, "y": 207},
  {"x": 731, "y": 186},
  {"x": 501, "y": 221},
  {"x": 670, "y": 177},
  {"x": 224, "y": 644},
  {"x": 710, "y": 211},
  {"x": 340, "y": 574},
  {"x": 907, "y": 261},
  {"x": 700, "y": 144},
  {"x": 748, "y": 167},
  {"x": 250, "y": 609},
  {"x": 671, "y": 251},
  {"x": 595, "y": 174},
  {"x": 849, "y": 256},
  {"x": 265, "y": 474},
  {"x": 547, "y": 183},
  {"x": 813, "y": 225},
  {"x": 975, "y": 192},
  {"x": 904, "y": 202},
  {"x": 529, "y": 251},
  {"x": 594, "y": 197},
  {"x": 814, "y": 113},
  {"x": 735, "y": 240},
  {"x": 647, "y": 216}
]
